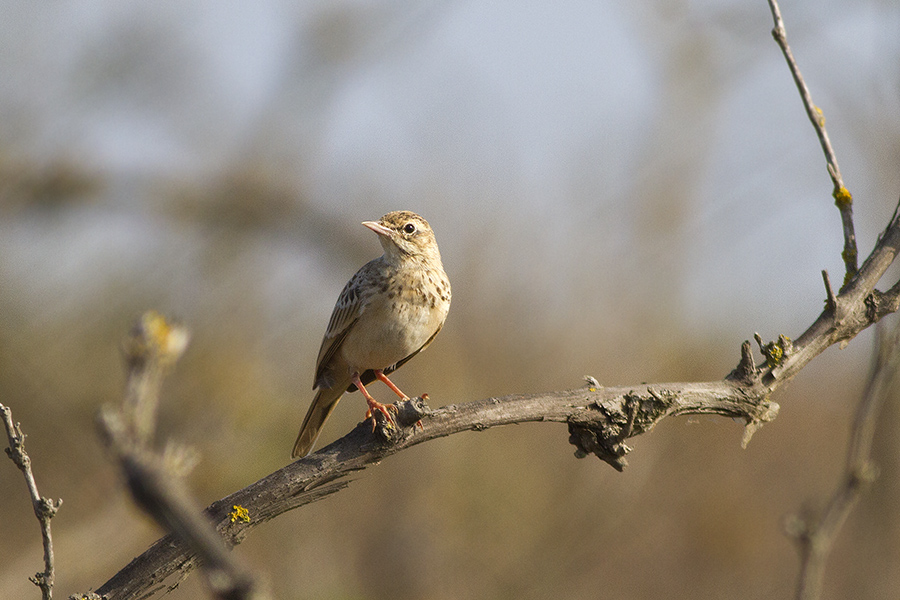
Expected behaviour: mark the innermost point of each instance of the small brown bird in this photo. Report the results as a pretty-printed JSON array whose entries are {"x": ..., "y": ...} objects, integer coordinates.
[{"x": 388, "y": 312}]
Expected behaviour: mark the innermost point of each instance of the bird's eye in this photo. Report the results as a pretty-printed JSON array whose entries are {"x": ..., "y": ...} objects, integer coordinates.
[{"x": 409, "y": 228}]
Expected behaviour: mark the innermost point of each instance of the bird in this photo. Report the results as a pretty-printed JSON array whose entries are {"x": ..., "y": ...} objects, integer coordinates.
[{"x": 388, "y": 312}]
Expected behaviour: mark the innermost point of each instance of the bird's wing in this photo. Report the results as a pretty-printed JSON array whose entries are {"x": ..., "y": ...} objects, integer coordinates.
[{"x": 349, "y": 306}]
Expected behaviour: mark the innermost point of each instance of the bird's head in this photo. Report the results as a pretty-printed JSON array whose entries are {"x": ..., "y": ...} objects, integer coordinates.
[{"x": 405, "y": 235}]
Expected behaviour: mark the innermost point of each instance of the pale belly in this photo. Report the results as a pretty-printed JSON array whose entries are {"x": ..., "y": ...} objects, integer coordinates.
[{"x": 386, "y": 334}]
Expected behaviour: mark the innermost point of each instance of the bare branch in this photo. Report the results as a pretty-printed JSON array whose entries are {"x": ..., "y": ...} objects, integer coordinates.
[
  {"x": 599, "y": 421},
  {"x": 815, "y": 537},
  {"x": 44, "y": 508},
  {"x": 830, "y": 300},
  {"x": 842, "y": 197}
]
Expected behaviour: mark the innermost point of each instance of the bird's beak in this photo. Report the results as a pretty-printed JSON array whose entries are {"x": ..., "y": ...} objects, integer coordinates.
[{"x": 378, "y": 228}]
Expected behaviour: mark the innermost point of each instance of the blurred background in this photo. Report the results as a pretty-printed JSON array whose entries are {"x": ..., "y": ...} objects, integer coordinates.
[{"x": 626, "y": 190}]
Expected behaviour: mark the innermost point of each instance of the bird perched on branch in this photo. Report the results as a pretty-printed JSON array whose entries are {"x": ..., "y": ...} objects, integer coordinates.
[{"x": 388, "y": 312}]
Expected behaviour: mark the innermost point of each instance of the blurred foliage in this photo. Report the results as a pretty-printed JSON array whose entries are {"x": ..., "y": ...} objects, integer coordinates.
[{"x": 26, "y": 185}]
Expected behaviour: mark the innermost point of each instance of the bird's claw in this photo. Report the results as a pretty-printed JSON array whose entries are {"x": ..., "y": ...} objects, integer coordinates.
[{"x": 384, "y": 409}]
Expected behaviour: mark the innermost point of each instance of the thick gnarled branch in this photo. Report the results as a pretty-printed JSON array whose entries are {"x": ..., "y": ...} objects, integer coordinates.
[{"x": 600, "y": 419}]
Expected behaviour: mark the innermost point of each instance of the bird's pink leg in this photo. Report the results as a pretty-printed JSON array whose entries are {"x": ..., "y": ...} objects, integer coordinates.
[
  {"x": 373, "y": 403},
  {"x": 383, "y": 378}
]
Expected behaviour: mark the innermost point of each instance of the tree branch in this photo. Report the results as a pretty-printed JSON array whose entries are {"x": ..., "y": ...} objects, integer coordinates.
[
  {"x": 44, "y": 508},
  {"x": 815, "y": 537},
  {"x": 842, "y": 197},
  {"x": 599, "y": 421},
  {"x": 154, "y": 479}
]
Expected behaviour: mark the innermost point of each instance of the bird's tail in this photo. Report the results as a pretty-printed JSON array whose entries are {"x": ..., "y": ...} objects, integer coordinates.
[{"x": 320, "y": 409}]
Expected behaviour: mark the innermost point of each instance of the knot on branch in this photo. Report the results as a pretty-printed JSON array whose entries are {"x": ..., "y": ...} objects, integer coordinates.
[
  {"x": 591, "y": 439},
  {"x": 775, "y": 352},
  {"x": 17, "y": 454},
  {"x": 46, "y": 508},
  {"x": 408, "y": 416},
  {"x": 605, "y": 437},
  {"x": 880, "y": 304},
  {"x": 16, "y": 437},
  {"x": 765, "y": 413},
  {"x": 745, "y": 372},
  {"x": 43, "y": 581}
]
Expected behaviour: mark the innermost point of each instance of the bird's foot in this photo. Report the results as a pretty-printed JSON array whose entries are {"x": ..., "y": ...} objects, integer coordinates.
[{"x": 384, "y": 409}]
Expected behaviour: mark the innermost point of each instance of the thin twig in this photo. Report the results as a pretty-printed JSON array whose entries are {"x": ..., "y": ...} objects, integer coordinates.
[
  {"x": 44, "y": 508},
  {"x": 830, "y": 299},
  {"x": 815, "y": 538},
  {"x": 842, "y": 197}
]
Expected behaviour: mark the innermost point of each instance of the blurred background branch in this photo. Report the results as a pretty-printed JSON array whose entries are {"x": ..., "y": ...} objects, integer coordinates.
[
  {"x": 156, "y": 480},
  {"x": 815, "y": 537},
  {"x": 621, "y": 189}
]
